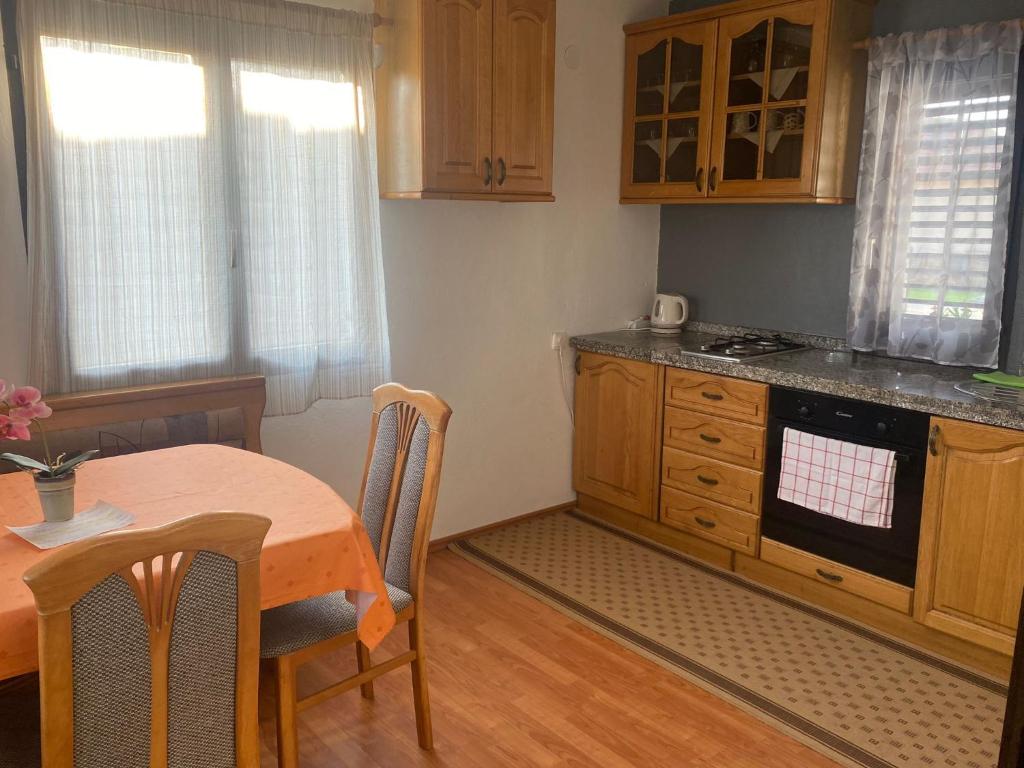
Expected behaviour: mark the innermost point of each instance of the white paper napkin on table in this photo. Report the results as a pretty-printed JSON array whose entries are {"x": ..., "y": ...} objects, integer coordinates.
[{"x": 101, "y": 517}]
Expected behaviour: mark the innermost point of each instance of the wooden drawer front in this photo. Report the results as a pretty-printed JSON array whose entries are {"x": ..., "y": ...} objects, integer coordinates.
[
  {"x": 732, "y": 529},
  {"x": 842, "y": 577},
  {"x": 714, "y": 480},
  {"x": 710, "y": 436},
  {"x": 718, "y": 395}
]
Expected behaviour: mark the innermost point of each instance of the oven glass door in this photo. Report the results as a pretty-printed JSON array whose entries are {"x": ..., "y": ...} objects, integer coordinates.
[{"x": 890, "y": 553}]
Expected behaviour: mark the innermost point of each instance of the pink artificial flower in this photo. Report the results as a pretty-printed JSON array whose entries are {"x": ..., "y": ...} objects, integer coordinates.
[
  {"x": 23, "y": 396},
  {"x": 38, "y": 410},
  {"x": 14, "y": 428}
]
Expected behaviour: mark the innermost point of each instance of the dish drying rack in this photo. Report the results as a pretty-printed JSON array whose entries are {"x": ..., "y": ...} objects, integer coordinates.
[{"x": 1010, "y": 397}]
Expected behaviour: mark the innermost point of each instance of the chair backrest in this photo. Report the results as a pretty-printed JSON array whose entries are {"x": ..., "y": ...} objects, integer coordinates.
[
  {"x": 149, "y": 646},
  {"x": 227, "y": 411},
  {"x": 403, "y": 468}
]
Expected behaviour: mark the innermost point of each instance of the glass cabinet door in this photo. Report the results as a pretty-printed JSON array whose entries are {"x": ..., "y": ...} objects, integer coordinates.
[
  {"x": 765, "y": 117},
  {"x": 669, "y": 84}
]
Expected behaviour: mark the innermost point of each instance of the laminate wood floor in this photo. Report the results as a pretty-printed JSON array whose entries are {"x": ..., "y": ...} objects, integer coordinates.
[{"x": 514, "y": 682}]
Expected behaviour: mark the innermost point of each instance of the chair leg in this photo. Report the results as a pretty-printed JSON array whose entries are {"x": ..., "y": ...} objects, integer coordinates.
[
  {"x": 363, "y": 661},
  {"x": 421, "y": 699},
  {"x": 287, "y": 727}
]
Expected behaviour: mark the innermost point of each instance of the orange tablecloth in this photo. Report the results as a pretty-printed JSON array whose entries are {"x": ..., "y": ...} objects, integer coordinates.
[{"x": 316, "y": 544}]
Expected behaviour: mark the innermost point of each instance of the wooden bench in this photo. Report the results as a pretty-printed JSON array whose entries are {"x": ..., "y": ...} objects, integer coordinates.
[{"x": 131, "y": 419}]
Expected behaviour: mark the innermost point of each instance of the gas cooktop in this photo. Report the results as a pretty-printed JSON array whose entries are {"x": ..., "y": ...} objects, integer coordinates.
[{"x": 746, "y": 347}]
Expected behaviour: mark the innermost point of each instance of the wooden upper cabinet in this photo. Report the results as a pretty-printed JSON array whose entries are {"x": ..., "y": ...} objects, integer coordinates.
[
  {"x": 524, "y": 95},
  {"x": 971, "y": 561},
  {"x": 669, "y": 94},
  {"x": 457, "y": 94},
  {"x": 465, "y": 99},
  {"x": 780, "y": 109},
  {"x": 617, "y": 437}
]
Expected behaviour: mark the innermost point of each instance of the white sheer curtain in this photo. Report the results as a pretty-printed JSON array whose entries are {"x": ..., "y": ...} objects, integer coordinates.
[
  {"x": 203, "y": 196},
  {"x": 933, "y": 201}
]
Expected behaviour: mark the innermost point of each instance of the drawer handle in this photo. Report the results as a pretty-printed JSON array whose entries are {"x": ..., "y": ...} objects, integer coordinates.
[
  {"x": 835, "y": 578},
  {"x": 710, "y": 439},
  {"x": 705, "y": 523},
  {"x": 711, "y": 396},
  {"x": 933, "y": 440},
  {"x": 707, "y": 480}
]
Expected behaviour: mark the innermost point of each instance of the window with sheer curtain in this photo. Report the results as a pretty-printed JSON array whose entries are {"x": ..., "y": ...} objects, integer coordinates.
[
  {"x": 933, "y": 202},
  {"x": 202, "y": 196}
]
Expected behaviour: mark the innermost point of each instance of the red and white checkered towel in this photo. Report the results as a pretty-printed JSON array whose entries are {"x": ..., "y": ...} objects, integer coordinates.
[{"x": 845, "y": 480}]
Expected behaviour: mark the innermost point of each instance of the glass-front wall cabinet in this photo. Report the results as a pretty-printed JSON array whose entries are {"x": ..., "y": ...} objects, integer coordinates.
[
  {"x": 733, "y": 106},
  {"x": 667, "y": 112},
  {"x": 766, "y": 119}
]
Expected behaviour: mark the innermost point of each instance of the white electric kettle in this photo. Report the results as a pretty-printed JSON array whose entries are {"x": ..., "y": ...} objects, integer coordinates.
[{"x": 669, "y": 313}]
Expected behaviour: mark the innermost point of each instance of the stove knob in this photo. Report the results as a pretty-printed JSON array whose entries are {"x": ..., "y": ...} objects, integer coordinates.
[
  {"x": 804, "y": 411},
  {"x": 881, "y": 428}
]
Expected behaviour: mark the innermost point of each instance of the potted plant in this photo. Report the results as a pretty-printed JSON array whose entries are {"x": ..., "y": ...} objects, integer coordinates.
[{"x": 20, "y": 408}]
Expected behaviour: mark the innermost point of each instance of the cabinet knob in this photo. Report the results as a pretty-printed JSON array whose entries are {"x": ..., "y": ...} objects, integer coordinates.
[
  {"x": 713, "y": 178},
  {"x": 502, "y": 171},
  {"x": 700, "y": 179},
  {"x": 933, "y": 440},
  {"x": 488, "y": 171},
  {"x": 709, "y": 524},
  {"x": 579, "y": 361}
]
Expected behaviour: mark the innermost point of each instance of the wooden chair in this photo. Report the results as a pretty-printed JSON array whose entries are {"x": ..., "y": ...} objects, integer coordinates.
[
  {"x": 143, "y": 665},
  {"x": 397, "y": 500}
]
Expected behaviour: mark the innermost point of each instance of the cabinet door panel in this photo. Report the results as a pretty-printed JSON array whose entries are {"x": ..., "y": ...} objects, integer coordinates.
[
  {"x": 617, "y": 432},
  {"x": 770, "y": 73},
  {"x": 524, "y": 94},
  {"x": 971, "y": 562},
  {"x": 669, "y": 95},
  {"x": 458, "y": 60}
]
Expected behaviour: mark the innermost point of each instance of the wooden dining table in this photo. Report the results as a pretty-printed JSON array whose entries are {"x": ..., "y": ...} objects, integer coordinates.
[{"x": 316, "y": 543}]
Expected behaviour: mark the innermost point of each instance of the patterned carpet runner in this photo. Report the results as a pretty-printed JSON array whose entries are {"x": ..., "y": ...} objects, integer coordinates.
[{"x": 862, "y": 698}]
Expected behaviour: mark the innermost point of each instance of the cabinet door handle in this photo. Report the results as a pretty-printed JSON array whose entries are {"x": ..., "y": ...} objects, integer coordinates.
[
  {"x": 579, "y": 360},
  {"x": 710, "y": 439},
  {"x": 707, "y": 480},
  {"x": 709, "y": 524},
  {"x": 502, "y": 174},
  {"x": 933, "y": 440},
  {"x": 713, "y": 179},
  {"x": 700, "y": 179},
  {"x": 711, "y": 396},
  {"x": 835, "y": 578},
  {"x": 488, "y": 171}
]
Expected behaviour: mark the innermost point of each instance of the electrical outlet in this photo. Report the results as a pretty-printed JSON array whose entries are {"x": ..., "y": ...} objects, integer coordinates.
[{"x": 558, "y": 339}]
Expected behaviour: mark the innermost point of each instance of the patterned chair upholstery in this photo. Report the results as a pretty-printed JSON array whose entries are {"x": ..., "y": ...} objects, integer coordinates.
[
  {"x": 123, "y": 627},
  {"x": 295, "y": 626}
]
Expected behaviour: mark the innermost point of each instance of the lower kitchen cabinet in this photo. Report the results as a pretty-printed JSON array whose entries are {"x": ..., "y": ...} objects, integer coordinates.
[
  {"x": 971, "y": 561},
  {"x": 677, "y": 456},
  {"x": 618, "y": 431}
]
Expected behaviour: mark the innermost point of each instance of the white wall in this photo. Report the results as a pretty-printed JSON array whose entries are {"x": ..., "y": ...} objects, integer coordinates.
[{"x": 475, "y": 290}]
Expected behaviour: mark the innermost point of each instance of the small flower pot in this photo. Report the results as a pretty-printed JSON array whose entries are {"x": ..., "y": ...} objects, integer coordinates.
[{"x": 57, "y": 497}]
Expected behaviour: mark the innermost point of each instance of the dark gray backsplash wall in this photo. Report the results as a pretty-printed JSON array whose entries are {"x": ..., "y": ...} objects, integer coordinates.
[{"x": 787, "y": 266}]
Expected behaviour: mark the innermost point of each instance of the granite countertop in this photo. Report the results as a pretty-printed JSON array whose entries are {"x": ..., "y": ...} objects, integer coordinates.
[{"x": 917, "y": 386}]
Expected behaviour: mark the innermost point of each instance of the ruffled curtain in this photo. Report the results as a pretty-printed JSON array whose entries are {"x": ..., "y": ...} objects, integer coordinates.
[
  {"x": 203, "y": 196},
  {"x": 933, "y": 197}
]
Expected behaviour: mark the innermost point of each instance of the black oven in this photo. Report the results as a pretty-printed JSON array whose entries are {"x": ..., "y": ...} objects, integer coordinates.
[{"x": 890, "y": 553}]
